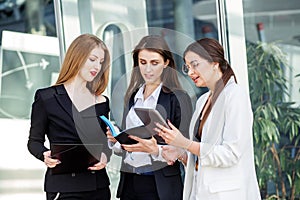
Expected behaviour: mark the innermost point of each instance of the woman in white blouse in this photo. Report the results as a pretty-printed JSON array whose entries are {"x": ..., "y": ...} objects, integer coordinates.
[
  {"x": 145, "y": 172},
  {"x": 220, "y": 158}
]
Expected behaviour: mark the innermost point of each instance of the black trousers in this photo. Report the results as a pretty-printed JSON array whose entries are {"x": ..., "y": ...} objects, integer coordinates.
[
  {"x": 99, "y": 194},
  {"x": 139, "y": 187}
]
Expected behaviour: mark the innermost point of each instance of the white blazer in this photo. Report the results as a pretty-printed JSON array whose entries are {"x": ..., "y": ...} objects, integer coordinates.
[{"x": 226, "y": 162}]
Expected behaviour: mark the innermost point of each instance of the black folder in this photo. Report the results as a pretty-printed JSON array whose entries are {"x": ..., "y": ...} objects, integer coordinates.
[
  {"x": 148, "y": 116},
  {"x": 75, "y": 158},
  {"x": 122, "y": 137}
]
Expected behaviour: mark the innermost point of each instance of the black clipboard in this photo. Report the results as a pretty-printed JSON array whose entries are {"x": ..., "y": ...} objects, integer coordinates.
[{"x": 75, "y": 158}]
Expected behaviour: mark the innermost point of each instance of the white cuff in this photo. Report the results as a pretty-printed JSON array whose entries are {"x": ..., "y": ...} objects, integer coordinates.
[
  {"x": 159, "y": 156},
  {"x": 110, "y": 144},
  {"x": 116, "y": 147}
]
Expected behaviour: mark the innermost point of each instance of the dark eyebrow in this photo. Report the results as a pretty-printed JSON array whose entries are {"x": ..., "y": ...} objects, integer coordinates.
[{"x": 152, "y": 60}]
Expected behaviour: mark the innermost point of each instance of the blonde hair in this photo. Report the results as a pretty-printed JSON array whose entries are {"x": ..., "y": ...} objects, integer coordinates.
[{"x": 76, "y": 56}]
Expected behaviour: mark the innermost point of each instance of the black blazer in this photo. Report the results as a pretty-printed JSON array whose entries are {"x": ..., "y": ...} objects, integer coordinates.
[
  {"x": 54, "y": 115},
  {"x": 177, "y": 107}
]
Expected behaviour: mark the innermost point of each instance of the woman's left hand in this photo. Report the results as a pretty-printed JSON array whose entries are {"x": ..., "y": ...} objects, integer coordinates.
[
  {"x": 143, "y": 145},
  {"x": 101, "y": 164}
]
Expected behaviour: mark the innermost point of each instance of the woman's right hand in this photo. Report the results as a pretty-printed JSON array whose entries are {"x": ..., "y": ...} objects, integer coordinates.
[
  {"x": 173, "y": 136},
  {"x": 50, "y": 162},
  {"x": 109, "y": 136}
]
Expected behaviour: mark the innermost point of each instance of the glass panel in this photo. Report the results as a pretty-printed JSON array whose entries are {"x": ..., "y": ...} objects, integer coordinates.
[
  {"x": 29, "y": 59},
  {"x": 25, "y": 66},
  {"x": 192, "y": 19},
  {"x": 118, "y": 59},
  {"x": 277, "y": 22},
  {"x": 28, "y": 16},
  {"x": 273, "y": 53}
]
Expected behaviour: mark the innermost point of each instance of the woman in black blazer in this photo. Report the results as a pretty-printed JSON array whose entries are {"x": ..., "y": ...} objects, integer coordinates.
[
  {"x": 145, "y": 172},
  {"x": 68, "y": 113}
]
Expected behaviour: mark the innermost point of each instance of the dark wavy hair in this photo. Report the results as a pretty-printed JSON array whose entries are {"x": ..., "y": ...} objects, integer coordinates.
[{"x": 154, "y": 43}]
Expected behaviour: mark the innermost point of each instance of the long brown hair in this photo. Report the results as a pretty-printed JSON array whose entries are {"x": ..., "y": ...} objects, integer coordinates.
[
  {"x": 154, "y": 43},
  {"x": 211, "y": 50},
  {"x": 76, "y": 56}
]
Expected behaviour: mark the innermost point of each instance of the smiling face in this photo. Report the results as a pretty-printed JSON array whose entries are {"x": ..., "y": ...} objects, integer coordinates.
[
  {"x": 200, "y": 70},
  {"x": 151, "y": 66},
  {"x": 92, "y": 66}
]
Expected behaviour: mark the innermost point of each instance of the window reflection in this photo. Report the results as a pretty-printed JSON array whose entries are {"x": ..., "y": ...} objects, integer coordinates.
[
  {"x": 28, "y": 16},
  {"x": 118, "y": 68},
  {"x": 25, "y": 68},
  {"x": 273, "y": 50},
  {"x": 277, "y": 23}
]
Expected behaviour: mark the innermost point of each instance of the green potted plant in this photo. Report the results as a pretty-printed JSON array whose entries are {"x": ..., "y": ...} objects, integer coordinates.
[{"x": 276, "y": 123}]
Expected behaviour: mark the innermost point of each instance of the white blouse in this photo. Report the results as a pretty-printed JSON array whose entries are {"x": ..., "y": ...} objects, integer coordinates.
[{"x": 138, "y": 159}]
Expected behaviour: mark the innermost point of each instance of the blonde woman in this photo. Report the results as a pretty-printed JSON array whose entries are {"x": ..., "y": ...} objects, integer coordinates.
[{"x": 56, "y": 114}]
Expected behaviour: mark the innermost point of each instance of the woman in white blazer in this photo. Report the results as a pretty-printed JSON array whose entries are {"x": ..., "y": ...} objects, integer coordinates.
[{"x": 219, "y": 159}]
